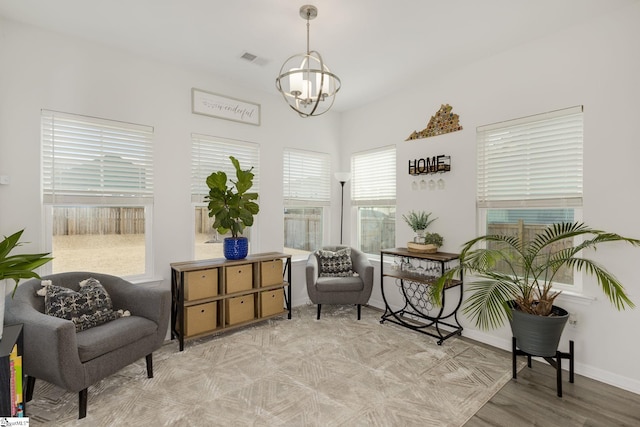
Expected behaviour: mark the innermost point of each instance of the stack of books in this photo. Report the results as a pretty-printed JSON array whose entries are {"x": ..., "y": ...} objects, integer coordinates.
[{"x": 15, "y": 372}]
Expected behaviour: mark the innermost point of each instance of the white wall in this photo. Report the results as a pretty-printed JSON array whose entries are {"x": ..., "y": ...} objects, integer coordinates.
[
  {"x": 596, "y": 65},
  {"x": 45, "y": 70}
]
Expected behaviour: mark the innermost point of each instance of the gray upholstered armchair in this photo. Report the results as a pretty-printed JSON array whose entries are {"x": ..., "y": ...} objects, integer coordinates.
[
  {"x": 325, "y": 288},
  {"x": 56, "y": 353}
]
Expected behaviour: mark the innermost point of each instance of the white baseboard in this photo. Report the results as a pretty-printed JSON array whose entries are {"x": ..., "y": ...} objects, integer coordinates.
[
  {"x": 299, "y": 301},
  {"x": 488, "y": 339},
  {"x": 376, "y": 303},
  {"x": 608, "y": 378}
]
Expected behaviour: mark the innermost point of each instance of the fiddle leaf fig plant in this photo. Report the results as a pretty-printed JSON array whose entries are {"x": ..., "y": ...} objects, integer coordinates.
[
  {"x": 232, "y": 206},
  {"x": 19, "y": 266}
]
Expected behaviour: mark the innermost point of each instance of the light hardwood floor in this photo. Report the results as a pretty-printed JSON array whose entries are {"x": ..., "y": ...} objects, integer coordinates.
[{"x": 531, "y": 400}]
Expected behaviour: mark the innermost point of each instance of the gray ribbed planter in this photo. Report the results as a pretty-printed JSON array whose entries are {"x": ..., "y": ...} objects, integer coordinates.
[{"x": 538, "y": 335}]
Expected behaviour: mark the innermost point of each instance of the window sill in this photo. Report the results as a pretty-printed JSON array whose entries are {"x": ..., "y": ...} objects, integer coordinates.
[
  {"x": 299, "y": 258},
  {"x": 145, "y": 280},
  {"x": 374, "y": 258},
  {"x": 576, "y": 298}
]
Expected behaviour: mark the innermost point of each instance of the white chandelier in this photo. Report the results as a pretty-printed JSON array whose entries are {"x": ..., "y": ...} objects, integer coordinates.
[{"x": 305, "y": 81}]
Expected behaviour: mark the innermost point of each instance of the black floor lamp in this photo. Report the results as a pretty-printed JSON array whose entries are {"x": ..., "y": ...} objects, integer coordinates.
[{"x": 342, "y": 177}]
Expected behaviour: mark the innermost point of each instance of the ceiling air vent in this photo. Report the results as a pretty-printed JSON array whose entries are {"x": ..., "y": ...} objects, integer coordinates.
[
  {"x": 253, "y": 58},
  {"x": 249, "y": 56}
]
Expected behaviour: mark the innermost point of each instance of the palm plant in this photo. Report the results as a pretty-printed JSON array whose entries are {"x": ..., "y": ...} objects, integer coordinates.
[
  {"x": 18, "y": 266},
  {"x": 531, "y": 269}
]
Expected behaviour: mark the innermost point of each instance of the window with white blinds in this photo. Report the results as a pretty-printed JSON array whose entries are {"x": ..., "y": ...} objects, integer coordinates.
[
  {"x": 306, "y": 178},
  {"x": 373, "y": 177},
  {"x": 211, "y": 154},
  {"x": 531, "y": 162},
  {"x": 88, "y": 160}
]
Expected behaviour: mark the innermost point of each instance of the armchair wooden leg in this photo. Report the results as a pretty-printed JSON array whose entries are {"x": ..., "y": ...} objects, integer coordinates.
[
  {"x": 319, "y": 306},
  {"x": 82, "y": 403},
  {"x": 31, "y": 384},
  {"x": 149, "y": 358},
  {"x": 359, "y": 311}
]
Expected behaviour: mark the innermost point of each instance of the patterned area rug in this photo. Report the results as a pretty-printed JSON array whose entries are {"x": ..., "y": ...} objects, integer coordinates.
[{"x": 300, "y": 372}]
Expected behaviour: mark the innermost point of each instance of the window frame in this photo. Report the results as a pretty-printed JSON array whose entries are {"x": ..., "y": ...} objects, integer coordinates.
[
  {"x": 570, "y": 196},
  {"x": 113, "y": 139},
  {"x": 297, "y": 197},
  {"x": 198, "y": 190},
  {"x": 380, "y": 174}
]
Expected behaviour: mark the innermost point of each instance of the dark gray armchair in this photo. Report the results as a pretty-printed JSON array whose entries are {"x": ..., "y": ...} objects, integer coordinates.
[
  {"x": 340, "y": 290},
  {"x": 56, "y": 353}
]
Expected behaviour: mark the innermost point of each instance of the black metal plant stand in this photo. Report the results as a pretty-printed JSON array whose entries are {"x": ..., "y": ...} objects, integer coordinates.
[{"x": 556, "y": 363}]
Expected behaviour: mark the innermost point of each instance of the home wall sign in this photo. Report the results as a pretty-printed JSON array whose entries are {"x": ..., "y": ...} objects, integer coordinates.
[
  {"x": 224, "y": 107},
  {"x": 444, "y": 121},
  {"x": 429, "y": 165}
]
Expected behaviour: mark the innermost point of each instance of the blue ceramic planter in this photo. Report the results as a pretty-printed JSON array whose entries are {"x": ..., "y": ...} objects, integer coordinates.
[{"x": 235, "y": 247}]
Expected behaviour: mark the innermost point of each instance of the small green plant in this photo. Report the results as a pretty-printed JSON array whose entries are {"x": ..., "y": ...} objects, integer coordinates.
[
  {"x": 19, "y": 266},
  {"x": 433, "y": 239},
  {"x": 418, "y": 220},
  {"x": 232, "y": 207}
]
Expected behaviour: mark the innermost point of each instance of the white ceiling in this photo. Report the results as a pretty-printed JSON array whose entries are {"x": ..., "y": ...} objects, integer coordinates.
[{"x": 374, "y": 46}]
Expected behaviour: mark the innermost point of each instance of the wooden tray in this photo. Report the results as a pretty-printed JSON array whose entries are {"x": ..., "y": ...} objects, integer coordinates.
[{"x": 420, "y": 248}]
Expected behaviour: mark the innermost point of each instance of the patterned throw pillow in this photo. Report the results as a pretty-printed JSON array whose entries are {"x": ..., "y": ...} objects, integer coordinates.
[
  {"x": 335, "y": 264},
  {"x": 87, "y": 321},
  {"x": 89, "y": 307},
  {"x": 96, "y": 296}
]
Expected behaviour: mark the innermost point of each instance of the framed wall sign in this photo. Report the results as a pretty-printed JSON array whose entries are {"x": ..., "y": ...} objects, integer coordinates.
[{"x": 224, "y": 107}]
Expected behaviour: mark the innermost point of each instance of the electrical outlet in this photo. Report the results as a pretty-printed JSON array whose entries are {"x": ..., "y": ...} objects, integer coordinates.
[
  {"x": 5, "y": 179},
  {"x": 573, "y": 319}
]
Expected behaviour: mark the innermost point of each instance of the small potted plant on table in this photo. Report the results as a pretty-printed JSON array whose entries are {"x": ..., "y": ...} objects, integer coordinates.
[{"x": 423, "y": 242}]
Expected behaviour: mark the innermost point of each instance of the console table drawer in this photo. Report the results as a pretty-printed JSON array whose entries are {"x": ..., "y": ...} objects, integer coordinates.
[
  {"x": 200, "y": 284},
  {"x": 239, "y": 309},
  {"x": 200, "y": 318},
  {"x": 271, "y": 302},
  {"x": 239, "y": 278},
  {"x": 271, "y": 272}
]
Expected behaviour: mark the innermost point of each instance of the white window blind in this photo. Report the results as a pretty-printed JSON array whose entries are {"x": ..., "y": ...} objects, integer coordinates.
[
  {"x": 87, "y": 160},
  {"x": 535, "y": 161},
  {"x": 211, "y": 154},
  {"x": 306, "y": 178},
  {"x": 374, "y": 177}
]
